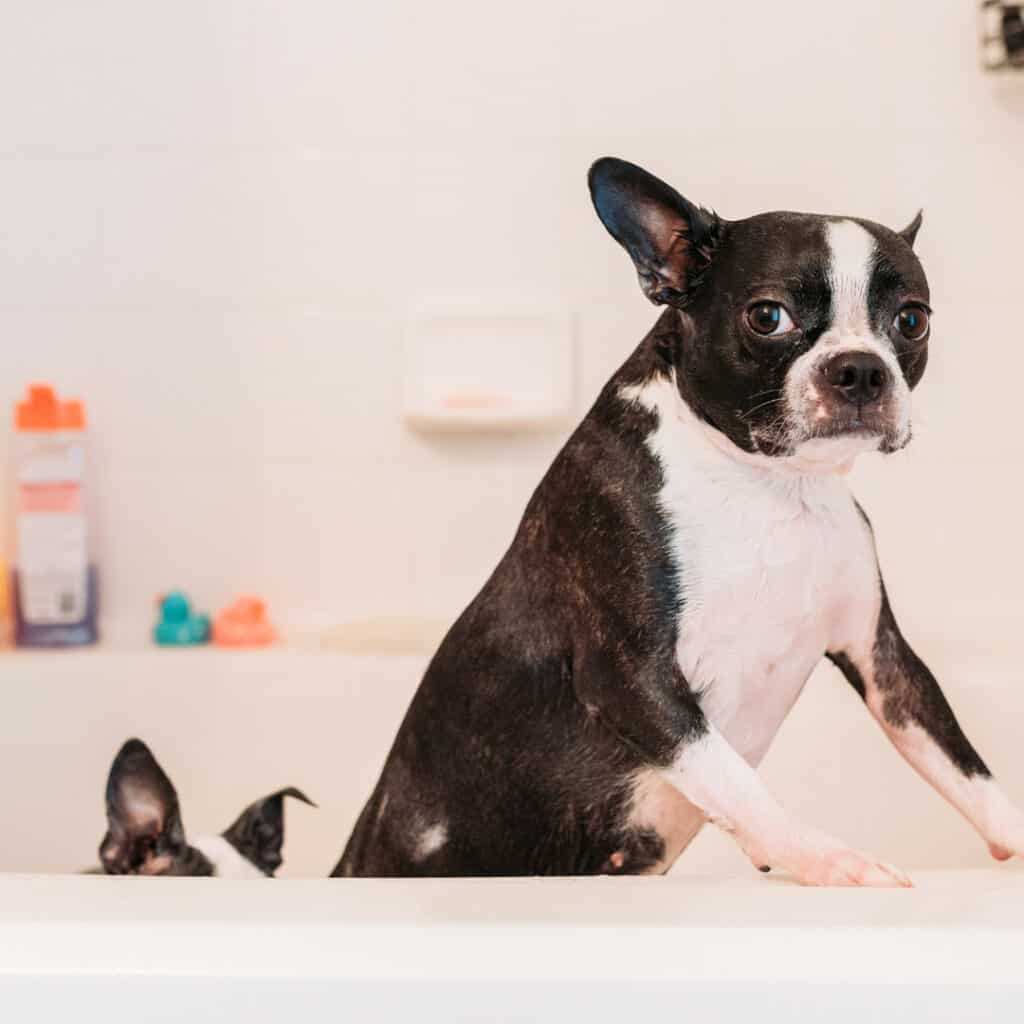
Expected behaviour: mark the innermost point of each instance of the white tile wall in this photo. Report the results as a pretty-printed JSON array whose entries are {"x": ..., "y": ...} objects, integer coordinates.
[{"x": 217, "y": 215}]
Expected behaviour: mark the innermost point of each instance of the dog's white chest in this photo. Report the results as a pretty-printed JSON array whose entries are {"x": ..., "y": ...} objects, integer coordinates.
[
  {"x": 771, "y": 568},
  {"x": 765, "y": 582}
]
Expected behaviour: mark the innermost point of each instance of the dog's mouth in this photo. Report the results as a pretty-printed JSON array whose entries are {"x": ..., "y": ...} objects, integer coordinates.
[
  {"x": 851, "y": 427},
  {"x": 855, "y": 433}
]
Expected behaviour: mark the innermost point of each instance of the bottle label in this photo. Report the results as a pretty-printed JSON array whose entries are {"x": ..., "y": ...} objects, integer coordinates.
[{"x": 52, "y": 542}]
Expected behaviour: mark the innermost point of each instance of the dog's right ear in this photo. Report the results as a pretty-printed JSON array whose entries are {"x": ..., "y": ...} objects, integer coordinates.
[
  {"x": 145, "y": 835},
  {"x": 670, "y": 240},
  {"x": 258, "y": 832},
  {"x": 909, "y": 233}
]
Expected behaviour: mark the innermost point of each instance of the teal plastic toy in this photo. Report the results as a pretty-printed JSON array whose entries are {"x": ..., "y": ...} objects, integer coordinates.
[{"x": 178, "y": 626}]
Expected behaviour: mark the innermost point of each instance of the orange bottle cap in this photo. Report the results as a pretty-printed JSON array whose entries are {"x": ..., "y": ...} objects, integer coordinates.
[
  {"x": 72, "y": 415},
  {"x": 42, "y": 411}
]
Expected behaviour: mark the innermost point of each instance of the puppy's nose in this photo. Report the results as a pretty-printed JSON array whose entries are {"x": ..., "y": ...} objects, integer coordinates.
[{"x": 860, "y": 377}]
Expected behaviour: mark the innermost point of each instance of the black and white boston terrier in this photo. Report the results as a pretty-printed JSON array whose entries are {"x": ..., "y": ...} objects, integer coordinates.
[
  {"x": 145, "y": 834},
  {"x": 690, "y": 556}
]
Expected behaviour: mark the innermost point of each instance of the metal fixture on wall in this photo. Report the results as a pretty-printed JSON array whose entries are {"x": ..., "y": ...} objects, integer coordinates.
[{"x": 1002, "y": 35}]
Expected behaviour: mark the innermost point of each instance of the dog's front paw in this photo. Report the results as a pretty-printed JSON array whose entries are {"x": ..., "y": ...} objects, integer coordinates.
[
  {"x": 817, "y": 859},
  {"x": 845, "y": 867},
  {"x": 1002, "y": 827},
  {"x": 1007, "y": 843}
]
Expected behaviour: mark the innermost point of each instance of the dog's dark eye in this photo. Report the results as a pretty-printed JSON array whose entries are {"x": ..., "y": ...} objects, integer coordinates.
[
  {"x": 769, "y": 318},
  {"x": 912, "y": 322}
]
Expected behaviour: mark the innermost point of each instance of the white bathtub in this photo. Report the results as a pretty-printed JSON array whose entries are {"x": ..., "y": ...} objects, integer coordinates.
[
  {"x": 713, "y": 939},
  {"x": 598, "y": 949}
]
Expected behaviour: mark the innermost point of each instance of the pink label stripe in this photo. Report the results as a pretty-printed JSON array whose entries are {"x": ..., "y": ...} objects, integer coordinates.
[{"x": 57, "y": 497}]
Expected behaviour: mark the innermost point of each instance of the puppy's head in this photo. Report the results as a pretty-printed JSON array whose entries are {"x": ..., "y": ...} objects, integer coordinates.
[
  {"x": 145, "y": 834},
  {"x": 802, "y": 336}
]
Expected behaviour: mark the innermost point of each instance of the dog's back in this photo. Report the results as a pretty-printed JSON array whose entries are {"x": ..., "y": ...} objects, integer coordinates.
[{"x": 498, "y": 768}]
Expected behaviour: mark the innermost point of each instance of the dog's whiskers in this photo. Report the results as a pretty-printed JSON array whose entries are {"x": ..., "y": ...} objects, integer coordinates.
[{"x": 761, "y": 405}]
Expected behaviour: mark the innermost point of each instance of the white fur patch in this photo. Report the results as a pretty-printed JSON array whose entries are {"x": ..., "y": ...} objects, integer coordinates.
[
  {"x": 774, "y": 564},
  {"x": 727, "y": 789},
  {"x": 430, "y": 840},
  {"x": 226, "y": 860},
  {"x": 852, "y": 251}
]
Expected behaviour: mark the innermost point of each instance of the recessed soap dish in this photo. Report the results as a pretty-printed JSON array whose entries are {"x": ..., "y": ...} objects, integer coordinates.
[{"x": 488, "y": 371}]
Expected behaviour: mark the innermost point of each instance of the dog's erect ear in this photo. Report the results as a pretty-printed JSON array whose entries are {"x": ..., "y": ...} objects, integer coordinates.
[
  {"x": 670, "y": 240},
  {"x": 145, "y": 835},
  {"x": 258, "y": 834},
  {"x": 909, "y": 233}
]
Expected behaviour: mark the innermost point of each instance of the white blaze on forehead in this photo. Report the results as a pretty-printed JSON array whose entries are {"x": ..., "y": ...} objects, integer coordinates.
[
  {"x": 851, "y": 264},
  {"x": 226, "y": 860},
  {"x": 852, "y": 256}
]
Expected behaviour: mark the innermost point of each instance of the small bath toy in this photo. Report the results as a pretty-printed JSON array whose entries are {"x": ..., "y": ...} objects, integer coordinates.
[
  {"x": 244, "y": 623},
  {"x": 179, "y": 626}
]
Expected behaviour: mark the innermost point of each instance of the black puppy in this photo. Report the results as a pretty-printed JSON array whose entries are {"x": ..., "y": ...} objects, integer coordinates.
[
  {"x": 145, "y": 834},
  {"x": 690, "y": 556}
]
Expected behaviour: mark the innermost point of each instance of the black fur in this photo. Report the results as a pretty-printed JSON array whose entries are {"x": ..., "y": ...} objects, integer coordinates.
[
  {"x": 557, "y": 683},
  {"x": 258, "y": 832},
  {"x": 909, "y": 690},
  {"x": 910, "y": 693},
  {"x": 670, "y": 240},
  {"x": 850, "y": 672}
]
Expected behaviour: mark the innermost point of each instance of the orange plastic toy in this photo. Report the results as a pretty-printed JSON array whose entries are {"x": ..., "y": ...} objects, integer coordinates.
[{"x": 244, "y": 623}]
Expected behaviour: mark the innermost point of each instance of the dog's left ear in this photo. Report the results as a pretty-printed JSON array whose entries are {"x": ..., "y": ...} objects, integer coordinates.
[
  {"x": 258, "y": 833},
  {"x": 909, "y": 233},
  {"x": 145, "y": 835},
  {"x": 670, "y": 240}
]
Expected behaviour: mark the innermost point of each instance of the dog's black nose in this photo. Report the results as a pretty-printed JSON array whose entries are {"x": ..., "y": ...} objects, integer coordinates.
[{"x": 860, "y": 377}]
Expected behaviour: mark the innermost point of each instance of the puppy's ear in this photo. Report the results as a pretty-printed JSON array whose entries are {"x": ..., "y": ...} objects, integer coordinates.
[
  {"x": 145, "y": 835},
  {"x": 909, "y": 233},
  {"x": 670, "y": 240},
  {"x": 258, "y": 833}
]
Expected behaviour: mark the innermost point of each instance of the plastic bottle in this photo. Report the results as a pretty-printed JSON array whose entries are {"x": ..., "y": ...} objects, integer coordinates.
[{"x": 55, "y": 583}]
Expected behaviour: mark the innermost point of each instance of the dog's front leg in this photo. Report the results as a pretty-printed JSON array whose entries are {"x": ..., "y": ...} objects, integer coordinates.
[
  {"x": 904, "y": 698},
  {"x": 653, "y": 710},
  {"x": 714, "y": 777}
]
